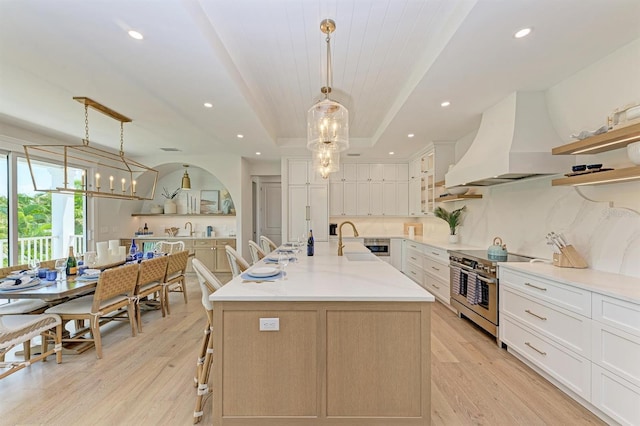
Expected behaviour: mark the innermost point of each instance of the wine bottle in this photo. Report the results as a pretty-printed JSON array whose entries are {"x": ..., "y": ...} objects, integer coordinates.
[
  {"x": 133, "y": 250},
  {"x": 310, "y": 243},
  {"x": 72, "y": 263},
  {"x": 145, "y": 230}
]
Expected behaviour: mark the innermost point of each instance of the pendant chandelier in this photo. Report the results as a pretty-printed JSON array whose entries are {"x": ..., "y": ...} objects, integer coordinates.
[
  {"x": 186, "y": 180},
  {"x": 103, "y": 173},
  {"x": 327, "y": 120}
]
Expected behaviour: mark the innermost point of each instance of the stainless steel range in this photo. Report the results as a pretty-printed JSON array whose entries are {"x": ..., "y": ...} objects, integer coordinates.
[{"x": 474, "y": 286}]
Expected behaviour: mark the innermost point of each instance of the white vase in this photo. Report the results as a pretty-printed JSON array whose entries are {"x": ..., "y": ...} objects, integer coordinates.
[
  {"x": 633, "y": 150},
  {"x": 170, "y": 207},
  {"x": 453, "y": 239}
]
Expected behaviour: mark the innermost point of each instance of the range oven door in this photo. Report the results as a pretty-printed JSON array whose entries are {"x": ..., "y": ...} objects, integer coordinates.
[{"x": 486, "y": 287}]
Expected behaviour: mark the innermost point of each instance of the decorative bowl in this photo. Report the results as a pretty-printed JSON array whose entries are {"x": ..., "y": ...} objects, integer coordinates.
[
  {"x": 457, "y": 190},
  {"x": 579, "y": 168},
  {"x": 633, "y": 151}
]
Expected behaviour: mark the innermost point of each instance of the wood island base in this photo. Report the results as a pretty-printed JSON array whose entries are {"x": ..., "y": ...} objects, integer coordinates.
[{"x": 330, "y": 363}]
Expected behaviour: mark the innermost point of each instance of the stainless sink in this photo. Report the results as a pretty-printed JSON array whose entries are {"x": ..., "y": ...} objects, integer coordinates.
[{"x": 361, "y": 257}]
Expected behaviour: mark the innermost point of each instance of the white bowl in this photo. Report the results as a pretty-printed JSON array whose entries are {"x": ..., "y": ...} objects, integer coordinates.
[
  {"x": 458, "y": 190},
  {"x": 633, "y": 151}
]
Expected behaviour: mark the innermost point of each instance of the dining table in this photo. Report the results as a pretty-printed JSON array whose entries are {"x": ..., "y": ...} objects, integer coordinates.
[{"x": 53, "y": 291}]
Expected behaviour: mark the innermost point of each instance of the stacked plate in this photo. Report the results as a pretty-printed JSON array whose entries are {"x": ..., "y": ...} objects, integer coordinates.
[
  {"x": 262, "y": 273},
  {"x": 18, "y": 282}
]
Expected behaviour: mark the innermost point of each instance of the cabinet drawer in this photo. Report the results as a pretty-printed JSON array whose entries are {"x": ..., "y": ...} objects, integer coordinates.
[
  {"x": 437, "y": 287},
  {"x": 568, "y": 368},
  {"x": 565, "y": 296},
  {"x": 226, "y": 242},
  {"x": 415, "y": 258},
  {"x": 436, "y": 253},
  {"x": 203, "y": 243},
  {"x": 567, "y": 328},
  {"x": 436, "y": 268},
  {"x": 617, "y": 351},
  {"x": 414, "y": 272},
  {"x": 615, "y": 397},
  {"x": 412, "y": 245},
  {"x": 617, "y": 313}
]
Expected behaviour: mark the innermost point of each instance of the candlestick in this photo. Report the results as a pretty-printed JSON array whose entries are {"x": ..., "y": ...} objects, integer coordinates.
[{"x": 98, "y": 181}]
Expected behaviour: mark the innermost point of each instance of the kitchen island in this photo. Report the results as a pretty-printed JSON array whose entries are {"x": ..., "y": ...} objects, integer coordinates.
[{"x": 352, "y": 345}]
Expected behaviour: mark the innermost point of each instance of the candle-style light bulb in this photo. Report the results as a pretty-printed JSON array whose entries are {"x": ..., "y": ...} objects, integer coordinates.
[
  {"x": 123, "y": 182},
  {"x": 82, "y": 180},
  {"x": 98, "y": 181},
  {"x": 133, "y": 186},
  {"x": 111, "y": 183}
]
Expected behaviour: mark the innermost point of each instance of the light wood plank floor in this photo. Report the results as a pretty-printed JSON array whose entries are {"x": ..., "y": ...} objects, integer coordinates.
[{"x": 148, "y": 380}]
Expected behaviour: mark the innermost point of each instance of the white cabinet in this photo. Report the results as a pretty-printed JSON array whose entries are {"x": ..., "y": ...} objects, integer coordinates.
[
  {"x": 427, "y": 169},
  {"x": 582, "y": 340},
  {"x": 342, "y": 199},
  {"x": 429, "y": 267},
  {"x": 396, "y": 253},
  {"x": 308, "y": 201}
]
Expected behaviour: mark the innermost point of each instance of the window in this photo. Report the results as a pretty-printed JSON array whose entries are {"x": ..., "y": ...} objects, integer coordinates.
[
  {"x": 47, "y": 223},
  {"x": 4, "y": 209}
]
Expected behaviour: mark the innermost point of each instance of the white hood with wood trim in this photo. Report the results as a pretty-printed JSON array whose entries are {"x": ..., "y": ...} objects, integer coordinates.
[{"x": 513, "y": 142}]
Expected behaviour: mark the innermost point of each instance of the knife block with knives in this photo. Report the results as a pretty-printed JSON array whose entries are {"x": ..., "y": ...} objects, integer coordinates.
[{"x": 568, "y": 257}]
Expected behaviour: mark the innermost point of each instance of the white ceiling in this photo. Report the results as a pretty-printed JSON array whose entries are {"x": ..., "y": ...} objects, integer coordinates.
[{"x": 261, "y": 62}]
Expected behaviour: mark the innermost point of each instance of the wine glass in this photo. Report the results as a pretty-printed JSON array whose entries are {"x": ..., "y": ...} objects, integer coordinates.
[
  {"x": 296, "y": 247},
  {"x": 61, "y": 267},
  {"x": 283, "y": 261},
  {"x": 35, "y": 265},
  {"x": 90, "y": 259}
]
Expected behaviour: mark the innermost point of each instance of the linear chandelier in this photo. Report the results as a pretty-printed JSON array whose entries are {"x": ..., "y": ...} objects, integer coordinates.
[
  {"x": 327, "y": 120},
  {"x": 91, "y": 171}
]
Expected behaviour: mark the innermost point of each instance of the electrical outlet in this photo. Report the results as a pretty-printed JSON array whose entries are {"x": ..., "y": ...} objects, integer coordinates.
[{"x": 269, "y": 324}]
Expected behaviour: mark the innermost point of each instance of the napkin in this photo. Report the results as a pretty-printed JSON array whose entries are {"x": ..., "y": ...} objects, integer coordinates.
[{"x": 16, "y": 281}]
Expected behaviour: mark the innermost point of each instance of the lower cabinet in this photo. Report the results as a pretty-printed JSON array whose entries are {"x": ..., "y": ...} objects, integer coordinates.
[
  {"x": 428, "y": 266},
  {"x": 585, "y": 341}
]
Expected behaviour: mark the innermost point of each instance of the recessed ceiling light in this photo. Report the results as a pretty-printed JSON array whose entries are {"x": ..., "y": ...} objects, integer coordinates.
[
  {"x": 445, "y": 104},
  {"x": 522, "y": 33},
  {"x": 208, "y": 105},
  {"x": 258, "y": 153},
  {"x": 391, "y": 153},
  {"x": 410, "y": 135},
  {"x": 135, "y": 34},
  {"x": 240, "y": 136}
]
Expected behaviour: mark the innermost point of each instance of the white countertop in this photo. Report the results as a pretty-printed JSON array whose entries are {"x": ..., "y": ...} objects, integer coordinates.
[
  {"x": 615, "y": 285},
  {"x": 329, "y": 277},
  {"x": 176, "y": 238},
  {"x": 422, "y": 239}
]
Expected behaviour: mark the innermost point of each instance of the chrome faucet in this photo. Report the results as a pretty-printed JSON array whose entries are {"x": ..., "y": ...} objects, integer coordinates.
[
  {"x": 190, "y": 228},
  {"x": 355, "y": 234}
]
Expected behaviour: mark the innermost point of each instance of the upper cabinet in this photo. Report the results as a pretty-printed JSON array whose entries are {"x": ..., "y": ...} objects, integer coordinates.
[
  {"x": 301, "y": 172},
  {"x": 425, "y": 171},
  {"x": 614, "y": 139}
]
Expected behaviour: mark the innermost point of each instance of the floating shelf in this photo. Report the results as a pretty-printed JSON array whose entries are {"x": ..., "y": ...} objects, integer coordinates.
[
  {"x": 179, "y": 215},
  {"x": 614, "y": 139},
  {"x": 439, "y": 183},
  {"x": 450, "y": 198},
  {"x": 611, "y": 176}
]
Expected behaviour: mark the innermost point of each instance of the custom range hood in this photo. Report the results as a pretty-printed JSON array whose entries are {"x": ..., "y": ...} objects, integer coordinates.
[{"x": 513, "y": 142}]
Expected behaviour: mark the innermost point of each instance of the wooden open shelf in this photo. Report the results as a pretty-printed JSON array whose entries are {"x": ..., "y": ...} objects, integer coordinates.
[
  {"x": 620, "y": 175},
  {"x": 615, "y": 139},
  {"x": 449, "y": 198}
]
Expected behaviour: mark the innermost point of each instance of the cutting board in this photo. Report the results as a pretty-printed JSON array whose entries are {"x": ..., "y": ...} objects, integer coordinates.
[{"x": 418, "y": 227}]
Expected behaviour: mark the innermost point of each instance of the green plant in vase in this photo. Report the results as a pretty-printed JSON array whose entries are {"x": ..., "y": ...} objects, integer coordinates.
[{"x": 453, "y": 219}]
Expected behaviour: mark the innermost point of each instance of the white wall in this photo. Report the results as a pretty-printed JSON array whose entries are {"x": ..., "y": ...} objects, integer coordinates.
[{"x": 522, "y": 213}]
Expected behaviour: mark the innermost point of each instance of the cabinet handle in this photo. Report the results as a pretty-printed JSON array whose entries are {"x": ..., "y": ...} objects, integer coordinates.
[
  {"x": 535, "y": 349},
  {"x": 412, "y": 272},
  {"x": 437, "y": 288},
  {"x": 413, "y": 258},
  {"x": 535, "y": 315},
  {"x": 434, "y": 253},
  {"x": 433, "y": 267},
  {"x": 536, "y": 287}
]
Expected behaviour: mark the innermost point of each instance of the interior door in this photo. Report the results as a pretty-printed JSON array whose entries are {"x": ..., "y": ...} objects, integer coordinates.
[{"x": 271, "y": 211}]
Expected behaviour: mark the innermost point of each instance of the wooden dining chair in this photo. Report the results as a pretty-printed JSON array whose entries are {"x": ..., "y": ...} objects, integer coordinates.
[
  {"x": 267, "y": 245},
  {"x": 256, "y": 252},
  {"x": 208, "y": 284},
  {"x": 174, "y": 279},
  {"x": 113, "y": 300},
  {"x": 237, "y": 262},
  {"x": 150, "y": 281},
  {"x": 18, "y": 329}
]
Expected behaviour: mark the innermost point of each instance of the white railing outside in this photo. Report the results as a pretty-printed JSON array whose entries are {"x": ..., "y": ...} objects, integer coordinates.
[{"x": 37, "y": 247}]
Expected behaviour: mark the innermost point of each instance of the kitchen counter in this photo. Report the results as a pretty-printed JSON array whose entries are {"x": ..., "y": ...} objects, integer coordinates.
[
  {"x": 329, "y": 277},
  {"x": 327, "y": 345},
  {"x": 422, "y": 239},
  {"x": 176, "y": 238},
  {"x": 615, "y": 285}
]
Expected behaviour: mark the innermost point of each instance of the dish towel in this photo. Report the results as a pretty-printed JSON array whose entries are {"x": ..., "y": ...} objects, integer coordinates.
[
  {"x": 456, "y": 279},
  {"x": 473, "y": 288}
]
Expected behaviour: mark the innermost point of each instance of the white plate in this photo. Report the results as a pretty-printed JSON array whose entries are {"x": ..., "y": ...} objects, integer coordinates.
[
  {"x": 91, "y": 272},
  {"x": 263, "y": 271}
]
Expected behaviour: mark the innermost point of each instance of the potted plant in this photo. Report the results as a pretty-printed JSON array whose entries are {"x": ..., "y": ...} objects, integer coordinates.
[
  {"x": 170, "y": 206},
  {"x": 454, "y": 219}
]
